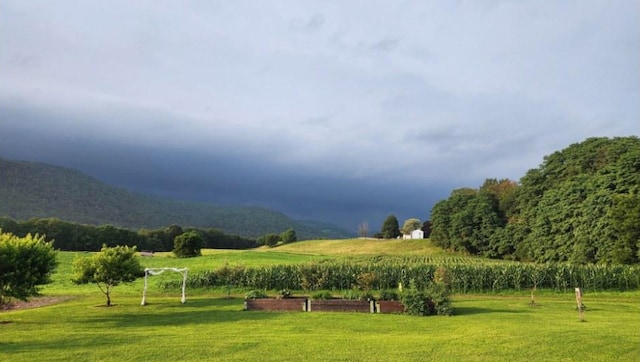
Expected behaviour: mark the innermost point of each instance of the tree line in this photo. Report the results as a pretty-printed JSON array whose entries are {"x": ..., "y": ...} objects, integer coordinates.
[
  {"x": 70, "y": 236},
  {"x": 581, "y": 205}
]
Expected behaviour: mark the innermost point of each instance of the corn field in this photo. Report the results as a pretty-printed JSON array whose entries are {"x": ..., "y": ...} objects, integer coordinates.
[{"x": 463, "y": 276}]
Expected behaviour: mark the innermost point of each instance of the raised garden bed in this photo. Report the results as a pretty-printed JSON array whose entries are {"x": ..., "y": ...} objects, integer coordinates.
[
  {"x": 389, "y": 306},
  {"x": 323, "y": 305},
  {"x": 340, "y": 305},
  {"x": 281, "y": 305}
]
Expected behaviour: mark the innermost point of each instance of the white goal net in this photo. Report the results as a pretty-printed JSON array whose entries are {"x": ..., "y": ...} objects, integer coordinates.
[{"x": 158, "y": 271}]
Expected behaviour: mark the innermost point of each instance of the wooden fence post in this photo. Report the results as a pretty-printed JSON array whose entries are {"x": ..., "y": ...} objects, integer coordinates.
[{"x": 579, "y": 303}]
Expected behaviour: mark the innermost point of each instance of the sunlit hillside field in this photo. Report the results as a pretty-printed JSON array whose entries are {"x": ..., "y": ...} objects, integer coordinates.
[
  {"x": 210, "y": 327},
  {"x": 362, "y": 246}
]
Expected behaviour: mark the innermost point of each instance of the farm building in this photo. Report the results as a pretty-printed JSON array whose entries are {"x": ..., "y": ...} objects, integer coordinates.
[{"x": 415, "y": 234}]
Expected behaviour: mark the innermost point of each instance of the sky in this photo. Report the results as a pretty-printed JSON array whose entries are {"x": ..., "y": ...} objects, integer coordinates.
[{"x": 338, "y": 111}]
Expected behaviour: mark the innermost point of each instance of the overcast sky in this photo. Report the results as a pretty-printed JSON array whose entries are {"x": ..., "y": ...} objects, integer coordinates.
[{"x": 341, "y": 111}]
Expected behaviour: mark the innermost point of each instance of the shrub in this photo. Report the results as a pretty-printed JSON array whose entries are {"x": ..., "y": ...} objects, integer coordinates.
[
  {"x": 439, "y": 296},
  {"x": 417, "y": 303},
  {"x": 432, "y": 300},
  {"x": 25, "y": 263}
]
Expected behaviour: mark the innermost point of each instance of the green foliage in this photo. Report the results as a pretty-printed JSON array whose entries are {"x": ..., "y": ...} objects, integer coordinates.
[
  {"x": 458, "y": 275},
  {"x": 411, "y": 225},
  {"x": 417, "y": 302},
  {"x": 432, "y": 300},
  {"x": 77, "y": 237},
  {"x": 187, "y": 245},
  {"x": 355, "y": 294},
  {"x": 580, "y": 206},
  {"x": 390, "y": 228},
  {"x": 322, "y": 295},
  {"x": 107, "y": 269},
  {"x": 284, "y": 294},
  {"x": 255, "y": 294},
  {"x": 387, "y": 294},
  {"x": 288, "y": 236},
  {"x": 25, "y": 264},
  {"x": 270, "y": 239}
]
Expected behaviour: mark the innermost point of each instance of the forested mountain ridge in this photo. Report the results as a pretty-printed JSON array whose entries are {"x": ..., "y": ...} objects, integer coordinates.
[
  {"x": 581, "y": 205},
  {"x": 39, "y": 190}
]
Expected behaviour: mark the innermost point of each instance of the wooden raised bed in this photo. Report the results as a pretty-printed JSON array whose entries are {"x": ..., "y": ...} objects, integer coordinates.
[
  {"x": 281, "y": 305},
  {"x": 389, "y": 306},
  {"x": 340, "y": 305}
]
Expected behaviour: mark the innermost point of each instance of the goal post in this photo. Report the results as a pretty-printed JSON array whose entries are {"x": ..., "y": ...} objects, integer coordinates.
[{"x": 158, "y": 271}]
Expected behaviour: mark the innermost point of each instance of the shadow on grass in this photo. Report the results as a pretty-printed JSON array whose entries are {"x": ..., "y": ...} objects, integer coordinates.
[
  {"x": 474, "y": 310},
  {"x": 195, "y": 312}
]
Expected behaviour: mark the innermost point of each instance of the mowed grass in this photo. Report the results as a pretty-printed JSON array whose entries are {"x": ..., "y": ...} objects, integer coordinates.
[{"x": 210, "y": 327}]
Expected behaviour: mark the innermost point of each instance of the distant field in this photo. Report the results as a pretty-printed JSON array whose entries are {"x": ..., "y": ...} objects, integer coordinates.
[
  {"x": 210, "y": 327},
  {"x": 362, "y": 247}
]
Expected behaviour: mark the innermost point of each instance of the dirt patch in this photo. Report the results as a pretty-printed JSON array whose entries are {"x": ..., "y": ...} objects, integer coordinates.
[{"x": 33, "y": 303}]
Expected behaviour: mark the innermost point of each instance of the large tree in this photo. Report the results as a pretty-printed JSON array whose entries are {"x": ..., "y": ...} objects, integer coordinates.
[
  {"x": 288, "y": 236},
  {"x": 390, "y": 228},
  {"x": 188, "y": 244},
  {"x": 411, "y": 225},
  {"x": 108, "y": 268},
  {"x": 25, "y": 263},
  {"x": 581, "y": 206}
]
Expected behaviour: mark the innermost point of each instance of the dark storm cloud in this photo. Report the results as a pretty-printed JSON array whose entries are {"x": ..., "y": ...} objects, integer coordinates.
[{"x": 218, "y": 176}]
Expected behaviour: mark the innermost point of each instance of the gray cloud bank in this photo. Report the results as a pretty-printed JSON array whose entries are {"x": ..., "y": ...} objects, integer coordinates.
[{"x": 331, "y": 111}]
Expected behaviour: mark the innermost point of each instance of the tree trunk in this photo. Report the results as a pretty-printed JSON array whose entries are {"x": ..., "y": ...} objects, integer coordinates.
[{"x": 108, "y": 300}]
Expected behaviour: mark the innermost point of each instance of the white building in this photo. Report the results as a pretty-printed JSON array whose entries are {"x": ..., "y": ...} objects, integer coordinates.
[{"x": 415, "y": 234}]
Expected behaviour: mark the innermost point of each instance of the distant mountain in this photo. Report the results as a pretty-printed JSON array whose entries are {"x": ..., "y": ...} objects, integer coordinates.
[{"x": 39, "y": 190}]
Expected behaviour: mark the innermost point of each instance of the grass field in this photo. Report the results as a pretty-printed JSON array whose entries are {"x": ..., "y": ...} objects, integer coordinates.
[{"x": 210, "y": 327}]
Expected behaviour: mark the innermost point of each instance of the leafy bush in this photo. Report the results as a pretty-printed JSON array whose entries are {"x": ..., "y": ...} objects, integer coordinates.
[
  {"x": 438, "y": 294},
  {"x": 432, "y": 300},
  {"x": 417, "y": 303},
  {"x": 25, "y": 263}
]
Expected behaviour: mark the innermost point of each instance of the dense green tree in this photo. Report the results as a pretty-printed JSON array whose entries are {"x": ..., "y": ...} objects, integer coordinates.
[
  {"x": 390, "y": 228},
  {"x": 411, "y": 225},
  {"x": 108, "y": 268},
  {"x": 426, "y": 228},
  {"x": 187, "y": 245},
  {"x": 580, "y": 206},
  {"x": 270, "y": 239},
  {"x": 288, "y": 236},
  {"x": 25, "y": 263}
]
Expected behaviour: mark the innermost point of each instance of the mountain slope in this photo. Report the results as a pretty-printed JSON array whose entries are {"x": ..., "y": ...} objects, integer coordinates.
[{"x": 31, "y": 189}]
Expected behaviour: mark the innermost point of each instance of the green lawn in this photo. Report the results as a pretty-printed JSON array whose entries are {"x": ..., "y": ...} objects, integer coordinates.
[{"x": 209, "y": 327}]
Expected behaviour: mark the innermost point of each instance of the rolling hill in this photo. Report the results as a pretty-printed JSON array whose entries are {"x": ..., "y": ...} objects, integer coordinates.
[{"x": 39, "y": 190}]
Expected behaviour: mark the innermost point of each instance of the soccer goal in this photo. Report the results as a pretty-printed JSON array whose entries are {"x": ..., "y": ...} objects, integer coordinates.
[{"x": 158, "y": 271}]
